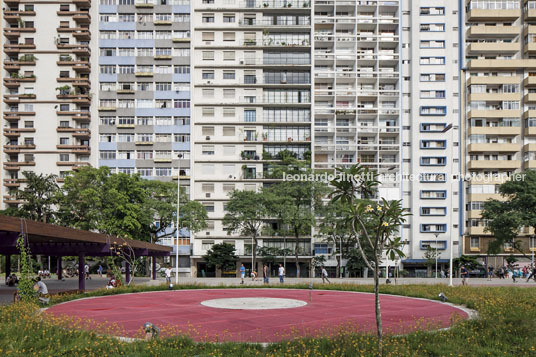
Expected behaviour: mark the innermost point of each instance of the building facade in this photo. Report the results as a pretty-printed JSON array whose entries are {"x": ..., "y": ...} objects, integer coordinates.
[
  {"x": 500, "y": 95},
  {"x": 431, "y": 132},
  {"x": 144, "y": 94},
  {"x": 251, "y": 79},
  {"x": 46, "y": 90}
]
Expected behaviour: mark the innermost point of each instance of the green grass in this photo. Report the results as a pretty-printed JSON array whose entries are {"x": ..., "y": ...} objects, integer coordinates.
[{"x": 506, "y": 327}]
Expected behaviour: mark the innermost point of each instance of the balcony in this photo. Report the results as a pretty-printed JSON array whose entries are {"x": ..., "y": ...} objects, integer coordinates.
[
  {"x": 13, "y": 16},
  {"x": 15, "y": 32},
  {"x": 15, "y": 132},
  {"x": 495, "y": 130},
  {"x": 77, "y": 132},
  {"x": 494, "y": 80},
  {"x": 82, "y": 50},
  {"x": 276, "y": 4},
  {"x": 530, "y": 48},
  {"x": 529, "y": 164},
  {"x": 78, "y": 16},
  {"x": 75, "y": 81},
  {"x": 73, "y": 164},
  {"x": 76, "y": 114},
  {"x": 76, "y": 149},
  {"x": 530, "y": 14},
  {"x": 75, "y": 98},
  {"x": 493, "y": 164},
  {"x": 82, "y": 3},
  {"x": 16, "y": 48},
  {"x": 80, "y": 33},
  {"x": 9, "y": 199},
  {"x": 16, "y": 165},
  {"x": 493, "y": 31},
  {"x": 16, "y": 98},
  {"x": 13, "y": 149},
  {"x": 15, "y": 115},
  {"x": 496, "y": 97},
  {"x": 11, "y": 183},
  {"x": 493, "y": 15},
  {"x": 493, "y": 47},
  {"x": 501, "y": 64},
  {"x": 494, "y": 147}
]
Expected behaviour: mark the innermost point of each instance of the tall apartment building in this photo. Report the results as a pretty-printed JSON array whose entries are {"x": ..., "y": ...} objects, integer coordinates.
[
  {"x": 144, "y": 93},
  {"x": 357, "y": 89},
  {"x": 252, "y": 87},
  {"x": 500, "y": 116},
  {"x": 46, "y": 88},
  {"x": 431, "y": 115}
]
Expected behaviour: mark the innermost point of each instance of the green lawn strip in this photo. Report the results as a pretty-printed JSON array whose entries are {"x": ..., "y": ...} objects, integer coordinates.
[{"x": 505, "y": 326}]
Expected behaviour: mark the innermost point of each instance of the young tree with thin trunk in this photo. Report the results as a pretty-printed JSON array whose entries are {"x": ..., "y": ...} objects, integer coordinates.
[
  {"x": 246, "y": 213},
  {"x": 375, "y": 224}
]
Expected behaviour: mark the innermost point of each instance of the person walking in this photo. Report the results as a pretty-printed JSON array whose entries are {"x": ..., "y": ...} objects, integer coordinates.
[
  {"x": 100, "y": 270},
  {"x": 464, "y": 274},
  {"x": 265, "y": 274},
  {"x": 532, "y": 275},
  {"x": 281, "y": 274},
  {"x": 242, "y": 273},
  {"x": 86, "y": 269},
  {"x": 325, "y": 275},
  {"x": 490, "y": 273},
  {"x": 167, "y": 272}
]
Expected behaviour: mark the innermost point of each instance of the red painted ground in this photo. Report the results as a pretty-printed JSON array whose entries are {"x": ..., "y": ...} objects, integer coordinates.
[{"x": 330, "y": 312}]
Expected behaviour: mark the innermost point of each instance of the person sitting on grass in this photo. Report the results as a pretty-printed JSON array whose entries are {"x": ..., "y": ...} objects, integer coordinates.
[
  {"x": 112, "y": 283},
  {"x": 42, "y": 291}
]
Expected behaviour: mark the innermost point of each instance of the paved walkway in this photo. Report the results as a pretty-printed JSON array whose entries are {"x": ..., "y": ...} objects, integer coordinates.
[{"x": 55, "y": 286}]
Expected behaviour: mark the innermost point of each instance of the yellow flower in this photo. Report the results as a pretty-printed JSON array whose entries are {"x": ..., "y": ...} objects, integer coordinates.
[
  {"x": 385, "y": 224},
  {"x": 369, "y": 208},
  {"x": 379, "y": 208}
]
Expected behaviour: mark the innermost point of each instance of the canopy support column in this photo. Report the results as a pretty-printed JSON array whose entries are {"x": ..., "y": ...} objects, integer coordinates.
[{"x": 81, "y": 272}]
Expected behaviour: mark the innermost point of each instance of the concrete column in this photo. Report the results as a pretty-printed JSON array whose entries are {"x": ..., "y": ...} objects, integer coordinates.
[
  {"x": 154, "y": 268},
  {"x": 127, "y": 272},
  {"x": 81, "y": 272},
  {"x": 8, "y": 265},
  {"x": 60, "y": 268}
]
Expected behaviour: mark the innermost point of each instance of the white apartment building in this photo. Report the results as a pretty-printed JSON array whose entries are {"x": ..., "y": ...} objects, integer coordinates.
[
  {"x": 251, "y": 80},
  {"x": 431, "y": 135},
  {"x": 47, "y": 107}
]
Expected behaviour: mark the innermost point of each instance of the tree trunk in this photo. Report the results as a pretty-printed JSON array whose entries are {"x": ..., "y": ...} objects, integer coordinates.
[
  {"x": 378, "y": 310},
  {"x": 296, "y": 253},
  {"x": 254, "y": 252}
]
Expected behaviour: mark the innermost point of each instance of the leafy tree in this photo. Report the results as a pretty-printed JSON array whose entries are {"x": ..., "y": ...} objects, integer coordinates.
[
  {"x": 222, "y": 256},
  {"x": 505, "y": 218},
  {"x": 356, "y": 263},
  {"x": 468, "y": 261},
  {"x": 292, "y": 203},
  {"x": 430, "y": 255},
  {"x": 375, "y": 224},
  {"x": 39, "y": 197},
  {"x": 246, "y": 213},
  {"x": 336, "y": 230}
]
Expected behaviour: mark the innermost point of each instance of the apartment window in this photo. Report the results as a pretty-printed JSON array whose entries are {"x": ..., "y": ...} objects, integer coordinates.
[
  {"x": 207, "y": 74},
  {"x": 207, "y": 150},
  {"x": 181, "y": 69},
  {"x": 228, "y": 36},
  {"x": 428, "y": 177},
  {"x": 64, "y": 141},
  {"x": 433, "y": 94},
  {"x": 433, "y": 194},
  {"x": 433, "y": 228},
  {"x": 474, "y": 243},
  {"x": 228, "y": 55},
  {"x": 207, "y": 36},
  {"x": 432, "y": 77},
  {"x": 207, "y": 111},
  {"x": 229, "y": 112},
  {"x": 433, "y": 161},
  {"x": 144, "y": 121},
  {"x": 228, "y": 93},
  {"x": 228, "y": 18},
  {"x": 228, "y": 74},
  {"x": 432, "y": 27},
  {"x": 107, "y": 155},
  {"x": 161, "y": 87},
  {"x": 432, "y": 11},
  {"x": 207, "y": 131},
  {"x": 208, "y": 55},
  {"x": 207, "y": 18},
  {"x": 128, "y": 69},
  {"x": 64, "y": 157},
  {"x": 433, "y": 111},
  {"x": 108, "y": 69},
  {"x": 433, "y": 211},
  {"x": 228, "y": 131},
  {"x": 432, "y": 60},
  {"x": 432, "y": 44}
]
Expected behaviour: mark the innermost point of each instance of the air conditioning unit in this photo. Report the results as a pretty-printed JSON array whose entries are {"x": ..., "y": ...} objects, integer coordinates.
[
  {"x": 207, "y": 195},
  {"x": 242, "y": 62},
  {"x": 209, "y": 82},
  {"x": 207, "y": 233},
  {"x": 207, "y": 138}
]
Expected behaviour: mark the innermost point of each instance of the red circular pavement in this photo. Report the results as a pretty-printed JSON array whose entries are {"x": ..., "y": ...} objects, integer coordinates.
[{"x": 330, "y": 312}]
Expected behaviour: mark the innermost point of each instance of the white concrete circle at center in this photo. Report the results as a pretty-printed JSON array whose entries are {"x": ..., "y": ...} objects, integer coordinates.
[{"x": 253, "y": 303}]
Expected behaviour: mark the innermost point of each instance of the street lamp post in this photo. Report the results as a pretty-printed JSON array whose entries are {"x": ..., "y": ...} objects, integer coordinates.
[
  {"x": 436, "y": 235},
  {"x": 177, "y": 225},
  {"x": 451, "y": 247},
  {"x": 340, "y": 261}
]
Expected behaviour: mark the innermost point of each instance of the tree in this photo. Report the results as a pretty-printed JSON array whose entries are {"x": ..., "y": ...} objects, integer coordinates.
[
  {"x": 222, "y": 256},
  {"x": 356, "y": 264},
  {"x": 430, "y": 255},
  {"x": 374, "y": 224},
  {"x": 40, "y": 195},
  {"x": 293, "y": 202},
  {"x": 505, "y": 218},
  {"x": 246, "y": 213},
  {"x": 468, "y": 261},
  {"x": 336, "y": 230}
]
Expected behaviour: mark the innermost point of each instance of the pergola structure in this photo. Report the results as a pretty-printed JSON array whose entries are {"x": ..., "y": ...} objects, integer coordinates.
[{"x": 52, "y": 240}]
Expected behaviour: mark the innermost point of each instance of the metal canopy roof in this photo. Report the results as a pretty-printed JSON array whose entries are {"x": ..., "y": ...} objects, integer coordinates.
[{"x": 49, "y": 239}]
